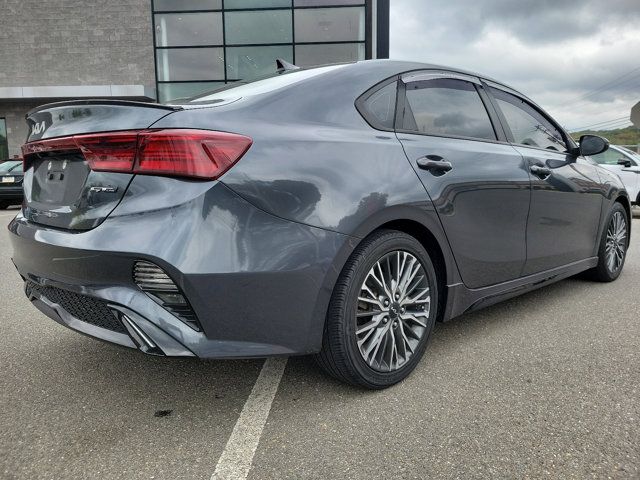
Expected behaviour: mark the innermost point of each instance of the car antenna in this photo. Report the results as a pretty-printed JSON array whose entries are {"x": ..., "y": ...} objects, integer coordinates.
[{"x": 284, "y": 66}]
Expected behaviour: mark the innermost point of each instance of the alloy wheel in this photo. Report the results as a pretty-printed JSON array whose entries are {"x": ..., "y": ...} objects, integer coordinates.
[
  {"x": 616, "y": 243},
  {"x": 392, "y": 311}
]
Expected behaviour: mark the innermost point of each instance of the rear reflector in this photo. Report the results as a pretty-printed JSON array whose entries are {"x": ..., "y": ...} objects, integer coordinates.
[{"x": 190, "y": 153}]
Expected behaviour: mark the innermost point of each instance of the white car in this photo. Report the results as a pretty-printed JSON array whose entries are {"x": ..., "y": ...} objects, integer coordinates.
[{"x": 626, "y": 164}]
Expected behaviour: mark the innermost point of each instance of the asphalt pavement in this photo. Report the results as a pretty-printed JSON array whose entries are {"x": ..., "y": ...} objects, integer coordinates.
[{"x": 546, "y": 385}]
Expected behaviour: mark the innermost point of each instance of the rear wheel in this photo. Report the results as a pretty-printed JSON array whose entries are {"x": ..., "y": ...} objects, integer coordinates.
[
  {"x": 382, "y": 312},
  {"x": 613, "y": 246}
]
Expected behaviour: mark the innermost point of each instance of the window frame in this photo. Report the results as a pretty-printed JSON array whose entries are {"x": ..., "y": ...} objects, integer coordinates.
[
  {"x": 569, "y": 143},
  {"x": 5, "y": 143},
  {"x": 426, "y": 75},
  {"x": 367, "y": 43}
]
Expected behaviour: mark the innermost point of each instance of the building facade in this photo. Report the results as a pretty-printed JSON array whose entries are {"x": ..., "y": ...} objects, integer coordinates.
[{"x": 150, "y": 50}]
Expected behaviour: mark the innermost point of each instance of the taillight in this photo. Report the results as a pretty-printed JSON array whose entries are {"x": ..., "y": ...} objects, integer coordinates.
[{"x": 177, "y": 152}]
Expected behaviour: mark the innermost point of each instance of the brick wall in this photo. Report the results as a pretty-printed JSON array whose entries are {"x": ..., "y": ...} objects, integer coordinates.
[
  {"x": 76, "y": 42},
  {"x": 71, "y": 42}
]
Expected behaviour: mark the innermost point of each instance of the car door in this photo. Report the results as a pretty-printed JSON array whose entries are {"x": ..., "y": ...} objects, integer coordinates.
[
  {"x": 477, "y": 182},
  {"x": 566, "y": 200},
  {"x": 630, "y": 175}
]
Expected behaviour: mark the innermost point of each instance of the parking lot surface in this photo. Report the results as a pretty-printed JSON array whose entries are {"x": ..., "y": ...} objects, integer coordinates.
[{"x": 544, "y": 385}]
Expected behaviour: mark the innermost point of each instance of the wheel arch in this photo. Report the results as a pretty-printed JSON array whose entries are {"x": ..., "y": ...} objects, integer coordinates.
[
  {"x": 626, "y": 203},
  {"x": 422, "y": 223}
]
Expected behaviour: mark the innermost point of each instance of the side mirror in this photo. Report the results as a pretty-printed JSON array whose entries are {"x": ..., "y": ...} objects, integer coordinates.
[
  {"x": 625, "y": 162},
  {"x": 593, "y": 145}
]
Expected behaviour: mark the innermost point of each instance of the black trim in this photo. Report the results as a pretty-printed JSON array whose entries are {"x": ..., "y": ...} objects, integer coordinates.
[
  {"x": 224, "y": 47},
  {"x": 98, "y": 101},
  {"x": 6, "y": 140},
  {"x": 382, "y": 29},
  {"x": 368, "y": 30},
  {"x": 491, "y": 108},
  {"x": 155, "y": 48}
]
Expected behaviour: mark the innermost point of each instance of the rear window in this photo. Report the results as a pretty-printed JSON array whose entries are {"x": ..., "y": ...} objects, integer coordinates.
[
  {"x": 271, "y": 83},
  {"x": 11, "y": 167}
]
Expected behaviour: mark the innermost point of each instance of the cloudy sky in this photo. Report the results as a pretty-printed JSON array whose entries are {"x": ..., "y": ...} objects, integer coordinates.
[{"x": 579, "y": 59}]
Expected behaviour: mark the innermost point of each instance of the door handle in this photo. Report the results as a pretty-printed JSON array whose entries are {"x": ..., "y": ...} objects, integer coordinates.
[
  {"x": 434, "y": 163},
  {"x": 539, "y": 171}
]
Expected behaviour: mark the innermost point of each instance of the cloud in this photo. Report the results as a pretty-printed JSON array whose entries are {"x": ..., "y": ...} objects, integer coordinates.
[{"x": 556, "y": 52}]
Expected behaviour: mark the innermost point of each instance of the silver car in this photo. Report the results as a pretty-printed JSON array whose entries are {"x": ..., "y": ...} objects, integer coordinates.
[{"x": 626, "y": 164}]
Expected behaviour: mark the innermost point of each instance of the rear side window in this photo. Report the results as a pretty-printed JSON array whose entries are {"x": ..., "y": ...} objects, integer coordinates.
[
  {"x": 447, "y": 107},
  {"x": 379, "y": 107},
  {"x": 528, "y": 126}
]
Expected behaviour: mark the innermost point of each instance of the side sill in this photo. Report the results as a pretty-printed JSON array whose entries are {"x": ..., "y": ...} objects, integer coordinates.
[{"x": 464, "y": 300}]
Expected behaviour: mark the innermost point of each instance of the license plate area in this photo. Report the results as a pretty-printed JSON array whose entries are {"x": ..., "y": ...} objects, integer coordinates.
[{"x": 8, "y": 179}]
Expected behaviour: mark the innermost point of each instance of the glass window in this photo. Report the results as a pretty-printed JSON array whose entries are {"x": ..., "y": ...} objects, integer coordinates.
[
  {"x": 188, "y": 29},
  {"x": 330, "y": 24},
  {"x": 322, "y": 54},
  {"x": 174, "y": 91},
  {"x": 4, "y": 147},
  {"x": 176, "y": 64},
  {"x": 179, "y": 5},
  {"x": 252, "y": 62},
  {"x": 446, "y": 107},
  {"x": 269, "y": 26},
  {"x": 528, "y": 126},
  {"x": 610, "y": 157},
  {"x": 322, "y": 3},
  {"x": 235, "y": 4},
  {"x": 381, "y": 106},
  {"x": 11, "y": 167}
]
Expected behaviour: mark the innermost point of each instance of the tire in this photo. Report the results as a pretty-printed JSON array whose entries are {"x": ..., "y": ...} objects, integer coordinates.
[
  {"x": 410, "y": 315},
  {"x": 606, "y": 270}
]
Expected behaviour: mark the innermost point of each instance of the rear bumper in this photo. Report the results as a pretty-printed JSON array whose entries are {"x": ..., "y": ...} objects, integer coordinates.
[{"x": 259, "y": 285}]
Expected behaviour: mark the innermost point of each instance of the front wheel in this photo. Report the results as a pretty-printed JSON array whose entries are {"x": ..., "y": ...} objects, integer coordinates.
[
  {"x": 613, "y": 246},
  {"x": 381, "y": 313}
]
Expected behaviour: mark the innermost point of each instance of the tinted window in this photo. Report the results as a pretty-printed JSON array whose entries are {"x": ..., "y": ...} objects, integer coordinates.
[
  {"x": 233, "y": 4},
  {"x": 322, "y": 54},
  {"x": 164, "y": 5},
  {"x": 173, "y": 91},
  {"x": 610, "y": 157},
  {"x": 262, "y": 26},
  {"x": 188, "y": 29},
  {"x": 330, "y": 24},
  {"x": 528, "y": 125},
  {"x": 446, "y": 107},
  {"x": 380, "y": 107},
  {"x": 248, "y": 63},
  {"x": 190, "y": 64}
]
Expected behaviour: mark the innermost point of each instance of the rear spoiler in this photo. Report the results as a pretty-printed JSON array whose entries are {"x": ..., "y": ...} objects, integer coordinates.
[
  {"x": 79, "y": 117},
  {"x": 99, "y": 101}
]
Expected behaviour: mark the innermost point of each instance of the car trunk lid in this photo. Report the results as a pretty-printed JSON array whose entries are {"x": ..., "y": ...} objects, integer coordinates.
[{"x": 61, "y": 190}]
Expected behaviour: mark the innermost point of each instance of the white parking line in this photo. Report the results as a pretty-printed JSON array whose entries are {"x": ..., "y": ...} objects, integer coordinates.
[{"x": 237, "y": 457}]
